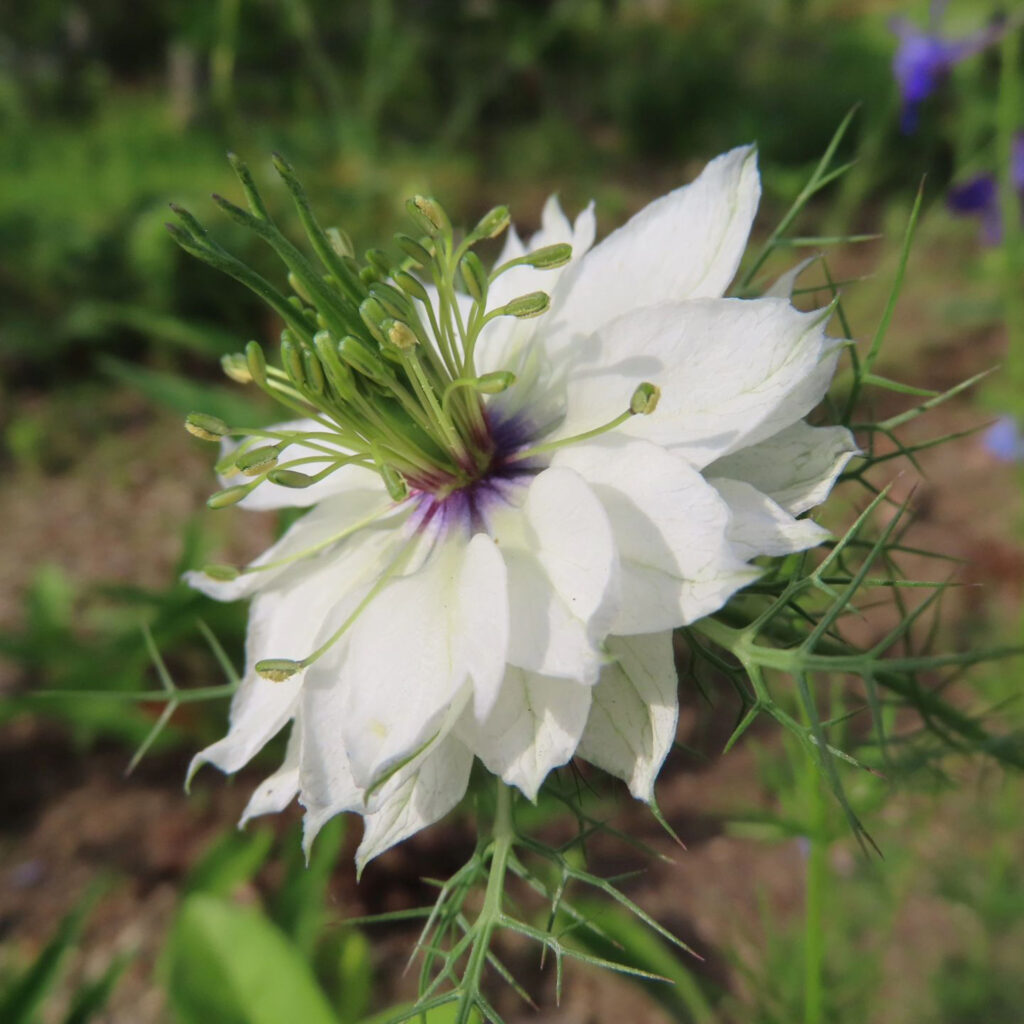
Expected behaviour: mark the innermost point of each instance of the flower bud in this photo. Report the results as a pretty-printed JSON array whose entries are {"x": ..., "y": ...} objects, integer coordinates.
[
  {"x": 257, "y": 362},
  {"x": 236, "y": 367},
  {"x": 256, "y": 460},
  {"x": 205, "y": 427},
  {"x": 277, "y": 670},
  {"x": 429, "y": 215},
  {"x": 402, "y": 336},
  {"x": 549, "y": 257},
  {"x": 529, "y": 305},
  {"x": 221, "y": 573},
  {"x": 645, "y": 399},
  {"x": 474, "y": 276}
]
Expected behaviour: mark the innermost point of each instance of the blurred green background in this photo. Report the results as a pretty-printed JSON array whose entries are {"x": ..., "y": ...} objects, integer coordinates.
[{"x": 109, "y": 334}]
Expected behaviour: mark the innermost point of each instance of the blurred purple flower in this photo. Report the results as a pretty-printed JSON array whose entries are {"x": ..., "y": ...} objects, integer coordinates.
[
  {"x": 979, "y": 196},
  {"x": 1004, "y": 440},
  {"x": 924, "y": 58}
]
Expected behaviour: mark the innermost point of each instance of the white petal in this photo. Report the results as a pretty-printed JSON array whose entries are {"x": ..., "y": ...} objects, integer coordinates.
[
  {"x": 270, "y": 496},
  {"x": 669, "y": 524},
  {"x": 632, "y": 722},
  {"x": 796, "y": 467},
  {"x": 760, "y": 527},
  {"x": 535, "y": 726},
  {"x": 312, "y": 537},
  {"x": 287, "y": 622},
  {"x": 409, "y": 655},
  {"x": 782, "y": 287},
  {"x": 484, "y": 620},
  {"x": 731, "y": 371},
  {"x": 422, "y": 796},
  {"x": 684, "y": 245},
  {"x": 277, "y": 791},
  {"x": 563, "y": 577}
]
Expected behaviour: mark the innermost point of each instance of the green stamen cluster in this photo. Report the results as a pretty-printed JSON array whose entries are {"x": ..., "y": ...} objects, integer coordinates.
[{"x": 381, "y": 361}]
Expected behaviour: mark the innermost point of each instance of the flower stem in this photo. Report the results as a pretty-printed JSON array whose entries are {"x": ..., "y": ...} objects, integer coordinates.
[
  {"x": 816, "y": 881},
  {"x": 490, "y": 912}
]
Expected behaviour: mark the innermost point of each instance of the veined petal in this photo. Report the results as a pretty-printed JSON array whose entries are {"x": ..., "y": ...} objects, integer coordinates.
[
  {"x": 307, "y": 541},
  {"x": 796, "y": 467},
  {"x": 287, "y": 622},
  {"x": 277, "y": 791},
  {"x": 412, "y": 649},
  {"x": 535, "y": 726},
  {"x": 421, "y": 796},
  {"x": 684, "y": 245},
  {"x": 563, "y": 576},
  {"x": 731, "y": 371},
  {"x": 271, "y": 496},
  {"x": 632, "y": 722},
  {"x": 761, "y": 527},
  {"x": 670, "y": 527}
]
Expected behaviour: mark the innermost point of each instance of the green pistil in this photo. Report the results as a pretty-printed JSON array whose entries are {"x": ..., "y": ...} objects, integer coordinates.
[{"x": 382, "y": 364}]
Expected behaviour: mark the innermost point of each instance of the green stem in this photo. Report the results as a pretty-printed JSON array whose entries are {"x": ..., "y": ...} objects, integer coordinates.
[
  {"x": 815, "y": 887},
  {"x": 490, "y": 912}
]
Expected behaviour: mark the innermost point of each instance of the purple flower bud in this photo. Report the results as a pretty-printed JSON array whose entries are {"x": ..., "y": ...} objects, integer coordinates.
[
  {"x": 1004, "y": 440},
  {"x": 979, "y": 196},
  {"x": 924, "y": 59}
]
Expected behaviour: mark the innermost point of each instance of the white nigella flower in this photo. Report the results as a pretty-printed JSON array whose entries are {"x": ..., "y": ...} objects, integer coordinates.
[{"x": 512, "y": 502}]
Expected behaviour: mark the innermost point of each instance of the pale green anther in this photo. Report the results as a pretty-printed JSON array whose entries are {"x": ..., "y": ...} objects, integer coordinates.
[
  {"x": 340, "y": 242},
  {"x": 368, "y": 275},
  {"x": 529, "y": 305},
  {"x": 255, "y": 461},
  {"x": 429, "y": 214},
  {"x": 379, "y": 260},
  {"x": 394, "y": 482},
  {"x": 416, "y": 251},
  {"x": 474, "y": 276},
  {"x": 290, "y": 478},
  {"x": 225, "y": 465},
  {"x": 291, "y": 360},
  {"x": 373, "y": 314},
  {"x": 402, "y": 336},
  {"x": 411, "y": 286},
  {"x": 337, "y": 372},
  {"x": 277, "y": 670},
  {"x": 491, "y": 224},
  {"x": 391, "y": 299},
  {"x": 645, "y": 399},
  {"x": 314, "y": 372},
  {"x": 208, "y": 428},
  {"x": 257, "y": 362},
  {"x": 549, "y": 257},
  {"x": 358, "y": 356},
  {"x": 299, "y": 288},
  {"x": 236, "y": 367},
  {"x": 229, "y": 496},
  {"x": 221, "y": 573},
  {"x": 496, "y": 382}
]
